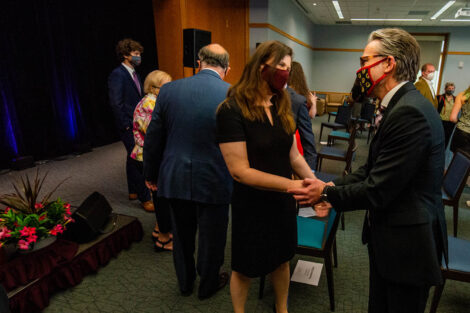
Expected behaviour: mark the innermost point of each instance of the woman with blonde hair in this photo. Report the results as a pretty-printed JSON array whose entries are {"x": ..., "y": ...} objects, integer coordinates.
[
  {"x": 255, "y": 131},
  {"x": 142, "y": 115}
]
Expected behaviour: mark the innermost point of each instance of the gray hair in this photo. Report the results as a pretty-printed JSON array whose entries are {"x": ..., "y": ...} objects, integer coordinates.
[
  {"x": 403, "y": 47},
  {"x": 211, "y": 58},
  {"x": 449, "y": 84}
]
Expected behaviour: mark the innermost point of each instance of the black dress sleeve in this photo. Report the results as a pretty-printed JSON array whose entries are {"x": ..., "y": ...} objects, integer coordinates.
[{"x": 230, "y": 126}]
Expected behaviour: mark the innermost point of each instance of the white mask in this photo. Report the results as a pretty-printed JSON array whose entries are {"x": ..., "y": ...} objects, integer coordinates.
[{"x": 430, "y": 76}]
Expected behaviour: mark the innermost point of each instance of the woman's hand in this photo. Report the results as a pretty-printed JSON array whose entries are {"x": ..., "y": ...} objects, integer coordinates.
[
  {"x": 312, "y": 104},
  {"x": 322, "y": 209}
]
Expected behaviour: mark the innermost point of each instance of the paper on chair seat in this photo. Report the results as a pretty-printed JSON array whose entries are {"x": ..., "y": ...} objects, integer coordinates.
[
  {"x": 307, "y": 272},
  {"x": 307, "y": 212}
]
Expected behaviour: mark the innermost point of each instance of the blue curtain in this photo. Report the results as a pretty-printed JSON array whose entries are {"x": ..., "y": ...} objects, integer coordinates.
[{"x": 56, "y": 57}]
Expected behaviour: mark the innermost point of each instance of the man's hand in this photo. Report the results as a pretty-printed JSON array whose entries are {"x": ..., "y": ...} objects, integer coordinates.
[
  {"x": 310, "y": 193},
  {"x": 151, "y": 185},
  {"x": 322, "y": 209}
]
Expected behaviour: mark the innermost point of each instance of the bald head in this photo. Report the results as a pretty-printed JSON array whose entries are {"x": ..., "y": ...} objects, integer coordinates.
[{"x": 213, "y": 55}]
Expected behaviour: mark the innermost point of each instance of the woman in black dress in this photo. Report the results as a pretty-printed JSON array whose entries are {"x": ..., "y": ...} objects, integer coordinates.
[{"x": 255, "y": 130}]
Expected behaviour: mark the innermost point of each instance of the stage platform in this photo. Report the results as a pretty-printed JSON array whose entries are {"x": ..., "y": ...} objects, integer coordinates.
[{"x": 31, "y": 279}]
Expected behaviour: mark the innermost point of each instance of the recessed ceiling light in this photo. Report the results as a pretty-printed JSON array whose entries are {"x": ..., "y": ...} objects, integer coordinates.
[
  {"x": 442, "y": 10},
  {"x": 447, "y": 20},
  {"x": 388, "y": 19},
  {"x": 314, "y": 3},
  {"x": 338, "y": 9}
]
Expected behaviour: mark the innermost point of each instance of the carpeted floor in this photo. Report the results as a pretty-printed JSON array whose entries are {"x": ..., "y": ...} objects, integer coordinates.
[{"x": 140, "y": 280}]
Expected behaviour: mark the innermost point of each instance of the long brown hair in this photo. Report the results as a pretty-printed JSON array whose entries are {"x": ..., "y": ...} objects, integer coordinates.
[
  {"x": 297, "y": 80},
  {"x": 248, "y": 90}
]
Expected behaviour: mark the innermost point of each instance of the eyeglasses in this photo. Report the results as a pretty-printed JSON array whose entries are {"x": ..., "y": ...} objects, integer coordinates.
[{"x": 366, "y": 58}]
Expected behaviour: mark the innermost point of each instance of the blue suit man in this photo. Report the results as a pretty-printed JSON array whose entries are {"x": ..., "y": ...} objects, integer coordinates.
[
  {"x": 304, "y": 125},
  {"x": 182, "y": 159},
  {"x": 125, "y": 92}
]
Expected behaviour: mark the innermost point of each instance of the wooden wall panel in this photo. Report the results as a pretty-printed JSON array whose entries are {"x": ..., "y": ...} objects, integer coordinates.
[
  {"x": 167, "y": 15},
  {"x": 226, "y": 20}
]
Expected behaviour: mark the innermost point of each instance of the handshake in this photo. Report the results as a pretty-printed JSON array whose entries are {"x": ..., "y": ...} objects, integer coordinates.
[{"x": 308, "y": 192}]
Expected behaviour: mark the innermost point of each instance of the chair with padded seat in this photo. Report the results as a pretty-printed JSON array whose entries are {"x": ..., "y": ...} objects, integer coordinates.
[
  {"x": 457, "y": 269},
  {"x": 341, "y": 120},
  {"x": 334, "y": 101},
  {"x": 454, "y": 182},
  {"x": 316, "y": 237},
  {"x": 333, "y": 153},
  {"x": 366, "y": 116}
]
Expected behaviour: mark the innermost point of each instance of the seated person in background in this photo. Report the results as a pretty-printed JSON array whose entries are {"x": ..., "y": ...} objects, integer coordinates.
[
  {"x": 424, "y": 83},
  {"x": 142, "y": 116},
  {"x": 304, "y": 134},
  {"x": 444, "y": 107}
]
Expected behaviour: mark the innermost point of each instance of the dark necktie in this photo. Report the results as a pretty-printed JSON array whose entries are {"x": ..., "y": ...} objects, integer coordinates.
[{"x": 136, "y": 81}]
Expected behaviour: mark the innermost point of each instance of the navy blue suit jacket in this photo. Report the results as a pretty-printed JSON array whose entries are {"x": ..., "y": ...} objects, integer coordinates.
[
  {"x": 181, "y": 152},
  {"x": 304, "y": 125},
  {"x": 123, "y": 96}
]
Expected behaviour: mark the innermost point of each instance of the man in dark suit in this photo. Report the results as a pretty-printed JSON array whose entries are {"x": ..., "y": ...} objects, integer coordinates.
[
  {"x": 125, "y": 91},
  {"x": 182, "y": 159},
  {"x": 400, "y": 184}
]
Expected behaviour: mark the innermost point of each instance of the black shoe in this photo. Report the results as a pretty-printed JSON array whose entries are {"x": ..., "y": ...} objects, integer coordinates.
[
  {"x": 224, "y": 277},
  {"x": 186, "y": 293}
]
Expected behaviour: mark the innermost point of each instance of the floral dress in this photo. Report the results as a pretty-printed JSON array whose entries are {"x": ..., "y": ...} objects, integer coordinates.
[{"x": 142, "y": 117}]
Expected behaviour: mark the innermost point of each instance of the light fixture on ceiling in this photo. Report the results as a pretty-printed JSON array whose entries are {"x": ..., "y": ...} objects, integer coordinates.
[
  {"x": 387, "y": 19},
  {"x": 314, "y": 3},
  {"x": 338, "y": 9},
  {"x": 449, "y": 20},
  {"x": 442, "y": 10}
]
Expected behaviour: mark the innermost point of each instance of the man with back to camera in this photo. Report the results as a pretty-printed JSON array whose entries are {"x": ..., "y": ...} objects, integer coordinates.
[
  {"x": 400, "y": 184},
  {"x": 424, "y": 83},
  {"x": 125, "y": 91},
  {"x": 182, "y": 158}
]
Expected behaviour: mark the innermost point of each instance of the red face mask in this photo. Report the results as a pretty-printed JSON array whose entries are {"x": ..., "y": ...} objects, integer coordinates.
[
  {"x": 365, "y": 78},
  {"x": 276, "y": 78}
]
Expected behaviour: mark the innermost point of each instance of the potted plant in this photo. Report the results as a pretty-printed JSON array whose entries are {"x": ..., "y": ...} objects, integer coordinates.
[{"x": 28, "y": 223}]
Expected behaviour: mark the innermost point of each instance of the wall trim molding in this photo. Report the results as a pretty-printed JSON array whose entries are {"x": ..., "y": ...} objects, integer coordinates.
[
  {"x": 281, "y": 32},
  {"x": 458, "y": 53},
  {"x": 300, "y": 42}
]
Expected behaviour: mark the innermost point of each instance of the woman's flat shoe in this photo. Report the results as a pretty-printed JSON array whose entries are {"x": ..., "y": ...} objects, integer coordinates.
[{"x": 163, "y": 244}]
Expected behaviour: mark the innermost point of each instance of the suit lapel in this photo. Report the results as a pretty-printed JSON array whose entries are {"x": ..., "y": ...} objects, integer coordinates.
[
  {"x": 396, "y": 97},
  {"x": 129, "y": 77}
]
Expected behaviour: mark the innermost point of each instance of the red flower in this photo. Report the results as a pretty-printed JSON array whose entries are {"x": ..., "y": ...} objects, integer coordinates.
[
  {"x": 16, "y": 224},
  {"x": 31, "y": 238},
  {"x": 69, "y": 219},
  {"x": 38, "y": 206},
  {"x": 7, "y": 210},
  {"x": 4, "y": 233},
  {"x": 67, "y": 211},
  {"x": 58, "y": 229},
  {"x": 67, "y": 206},
  {"x": 42, "y": 217},
  {"x": 27, "y": 231},
  {"x": 23, "y": 244}
]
